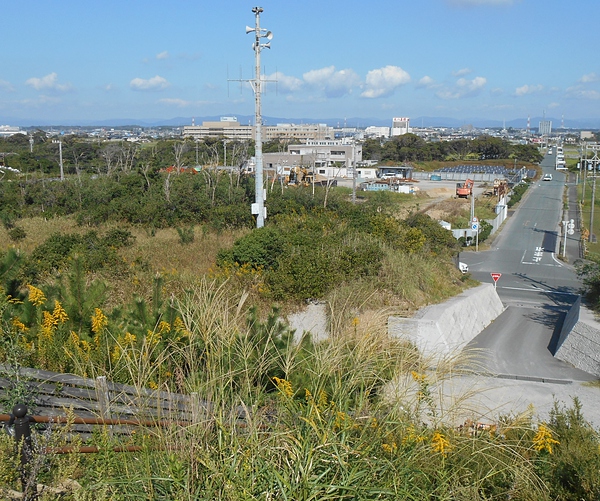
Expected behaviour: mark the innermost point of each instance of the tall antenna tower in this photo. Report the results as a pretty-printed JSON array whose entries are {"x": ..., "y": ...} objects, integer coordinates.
[
  {"x": 528, "y": 125},
  {"x": 258, "y": 207}
]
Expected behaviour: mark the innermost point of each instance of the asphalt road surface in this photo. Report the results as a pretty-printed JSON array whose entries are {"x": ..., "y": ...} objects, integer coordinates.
[{"x": 536, "y": 287}]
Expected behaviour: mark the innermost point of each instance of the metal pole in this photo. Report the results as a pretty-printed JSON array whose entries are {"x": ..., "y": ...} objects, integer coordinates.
[
  {"x": 564, "y": 253},
  {"x": 258, "y": 175},
  {"x": 62, "y": 172},
  {"x": 592, "y": 209}
]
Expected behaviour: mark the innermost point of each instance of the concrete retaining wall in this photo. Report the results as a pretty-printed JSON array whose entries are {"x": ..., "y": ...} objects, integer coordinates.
[
  {"x": 581, "y": 346},
  {"x": 445, "y": 328},
  {"x": 571, "y": 320},
  {"x": 312, "y": 319}
]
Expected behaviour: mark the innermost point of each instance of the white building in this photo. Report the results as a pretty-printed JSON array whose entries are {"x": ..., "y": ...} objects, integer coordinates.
[
  {"x": 230, "y": 128},
  {"x": 332, "y": 159},
  {"x": 400, "y": 126},
  {"x": 377, "y": 132},
  {"x": 545, "y": 128},
  {"x": 7, "y": 130}
]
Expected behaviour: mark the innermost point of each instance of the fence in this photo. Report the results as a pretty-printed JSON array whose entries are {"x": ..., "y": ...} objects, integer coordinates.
[{"x": 48, "y": 394}]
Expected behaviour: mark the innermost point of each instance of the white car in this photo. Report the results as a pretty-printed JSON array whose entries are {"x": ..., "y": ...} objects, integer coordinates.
[{"x": 547, "y": 177}]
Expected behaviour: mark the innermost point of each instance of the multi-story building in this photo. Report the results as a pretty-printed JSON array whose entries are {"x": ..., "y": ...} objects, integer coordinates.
[
  {"x": 400, "y": 126},
  {"x": 330, "y": 159},
  {"x": 545, "y": 128},
  {"x": 227, "y": 127},
  {"x": 230, "y": 128},
  {"x": 377, "y": 132}
]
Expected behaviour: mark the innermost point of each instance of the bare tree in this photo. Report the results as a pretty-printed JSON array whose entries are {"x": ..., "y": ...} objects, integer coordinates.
[
  {"x": 110, "y": 154},
  {"x": 179, "y": 148}
]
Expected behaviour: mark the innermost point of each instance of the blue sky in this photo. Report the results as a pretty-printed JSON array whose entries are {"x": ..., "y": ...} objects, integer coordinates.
[{"x": 109, "y": 59}]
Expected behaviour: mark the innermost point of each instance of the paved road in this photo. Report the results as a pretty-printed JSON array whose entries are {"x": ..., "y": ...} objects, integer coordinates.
[
  {"x": 536, "y": 286},
  {"x": 537, "y": 289}
]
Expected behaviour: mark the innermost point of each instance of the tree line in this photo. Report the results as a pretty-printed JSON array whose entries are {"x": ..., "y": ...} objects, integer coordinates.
[{"x": 412, "y": 148}]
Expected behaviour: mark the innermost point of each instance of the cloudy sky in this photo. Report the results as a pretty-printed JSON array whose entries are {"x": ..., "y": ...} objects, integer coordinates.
[{"x": 150, "y": 59}]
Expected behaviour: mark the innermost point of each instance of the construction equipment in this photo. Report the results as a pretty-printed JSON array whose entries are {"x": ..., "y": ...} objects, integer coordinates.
[
  {"x": 500, "y": 187},
  {"x": 464, "y": 190}
]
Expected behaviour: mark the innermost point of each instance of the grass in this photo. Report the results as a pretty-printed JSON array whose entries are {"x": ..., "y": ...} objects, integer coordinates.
[
  {"x": 356, "y": 416},
  {"x": 359, "y": 416}
]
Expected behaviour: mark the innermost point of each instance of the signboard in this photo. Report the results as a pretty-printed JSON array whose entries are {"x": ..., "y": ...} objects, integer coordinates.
[
  {"x": 496, "y": 276},
  {"x": 474, "y": 223}
]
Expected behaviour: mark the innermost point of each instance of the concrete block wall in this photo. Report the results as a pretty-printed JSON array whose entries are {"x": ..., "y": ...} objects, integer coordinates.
[
  {"x": 445, "y": 328},
  {"x": 581, "y": 348}
]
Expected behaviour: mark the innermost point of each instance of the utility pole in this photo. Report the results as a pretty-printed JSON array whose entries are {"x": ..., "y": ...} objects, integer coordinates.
[
  {"x": 590, "y": 238},
  {"x": 225, "y": 141},
  {"x": 62, "y": 173},
  {"x": 258, "y": 207},
  {"x": 354, "y": 172}
]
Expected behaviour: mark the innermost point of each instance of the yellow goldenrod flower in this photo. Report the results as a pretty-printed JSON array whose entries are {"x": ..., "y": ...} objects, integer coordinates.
[
  {"x": 389, "y": 448},
  {"x": 36, "y": 296},
  {"x": 284, "y": 386},
  {"x": 164, "y": 327},
  {"x": 153, "y": 385},
  {"x": 178, "y": 325},
  {"x": 19, "y": 325},
  {"x": 440, "y": 443},
  {"x": 48, "y": 320},
  {"x": 419, "y": 378},
  {"x": 411, "y": 436},
  {"x": 322, "y": 403},
  {"x": 129, "y": 338},
  {"x": 543, "y": 439},
  {"x": 59, "y": 313},
  {"x": 115, "y": 353},
  {"x": 153, "y": 338},
  {"x": 342, "y": 420},
  {"x": 99, "y": 321}
]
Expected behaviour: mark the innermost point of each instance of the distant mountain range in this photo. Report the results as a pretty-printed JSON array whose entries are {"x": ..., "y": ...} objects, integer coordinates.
[{"x": 480, "y": 123}]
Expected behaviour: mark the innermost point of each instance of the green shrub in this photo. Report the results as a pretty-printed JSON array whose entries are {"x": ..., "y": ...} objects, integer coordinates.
[
  {"x": 17, "y": 234},
  {"x": 186, "y": 235}
]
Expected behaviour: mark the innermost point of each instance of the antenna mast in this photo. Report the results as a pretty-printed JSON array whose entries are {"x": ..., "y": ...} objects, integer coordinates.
[{"x": 258, "y": 207}]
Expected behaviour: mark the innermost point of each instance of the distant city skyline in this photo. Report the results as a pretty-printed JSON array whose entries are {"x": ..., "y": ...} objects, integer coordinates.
[{"x": 498, "y": 60}]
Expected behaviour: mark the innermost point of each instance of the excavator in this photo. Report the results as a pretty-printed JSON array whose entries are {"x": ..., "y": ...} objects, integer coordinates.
[{"x": 464, "y": 190}]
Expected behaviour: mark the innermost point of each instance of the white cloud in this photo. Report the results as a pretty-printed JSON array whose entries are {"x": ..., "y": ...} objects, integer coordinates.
[
  {"x": 463, "y": 88},
  {"x": 334, "y": 83},
  {"x": 152, "y": 84},
  {"x": 590, "y": 78},
  {"x": 49, "y": 82},
  {"x": 578, "y": 92},
  {"x": 553, "y": 105},
  {"x": 285, "y": 83},
  {"x": 162, "y": 55},
  {"x": 462, "y": 72},
  {"x": 383, "y": 81},
  {"x": 528, "y": 89},
  {"x": 6, "y": 86},
  {"x": 426, "y": 82}
]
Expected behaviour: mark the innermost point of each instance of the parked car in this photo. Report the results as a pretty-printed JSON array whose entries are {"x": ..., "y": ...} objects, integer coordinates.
[{"x": 547, "y": 177}]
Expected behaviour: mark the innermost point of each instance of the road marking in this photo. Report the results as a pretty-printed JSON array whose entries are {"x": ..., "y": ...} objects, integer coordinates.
[{"x": 537, "y": 289}]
